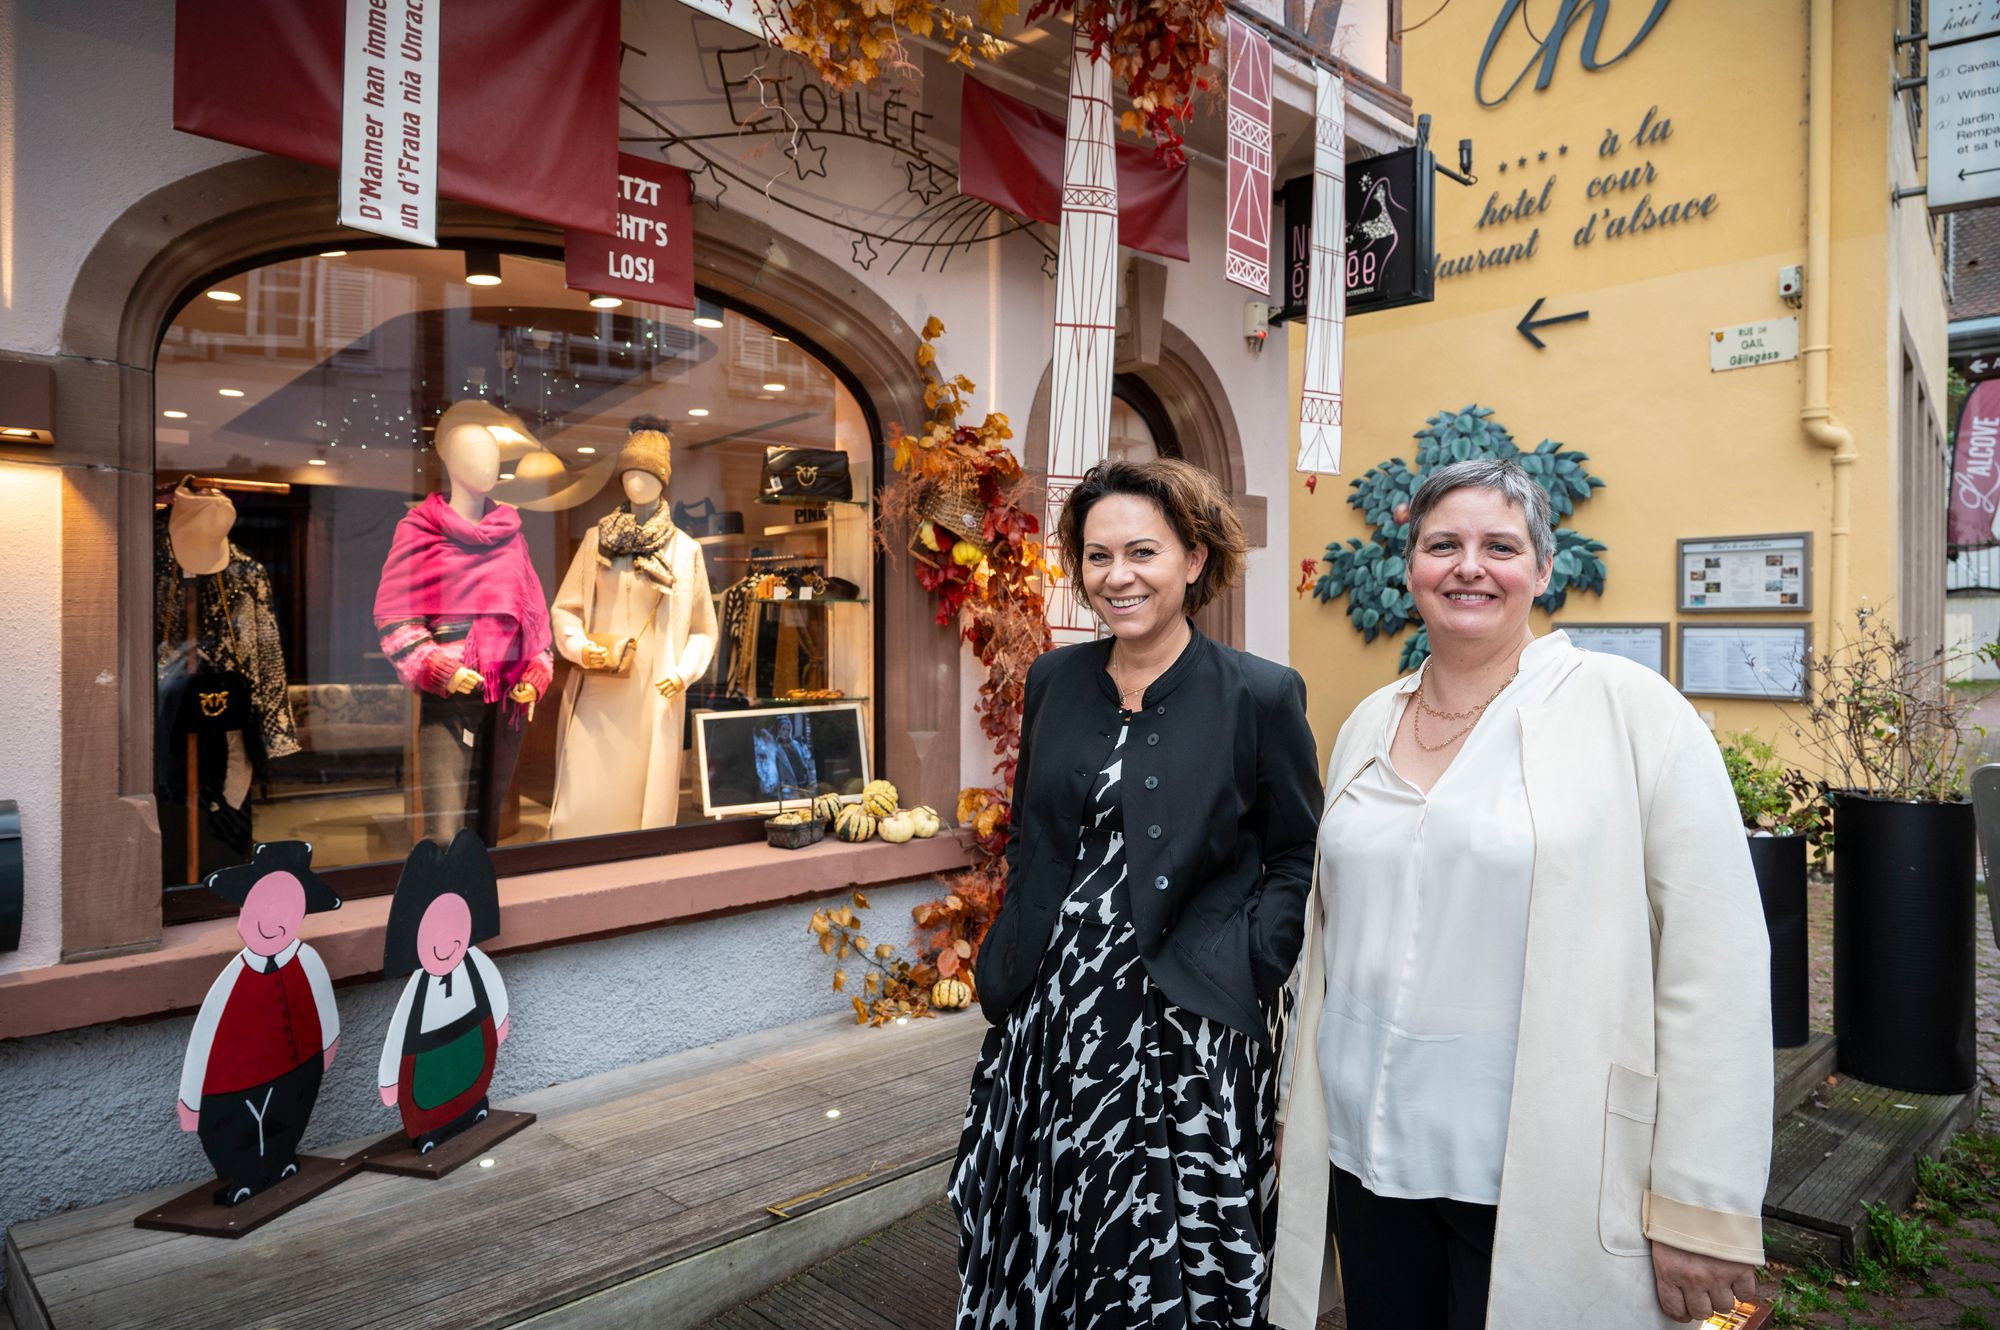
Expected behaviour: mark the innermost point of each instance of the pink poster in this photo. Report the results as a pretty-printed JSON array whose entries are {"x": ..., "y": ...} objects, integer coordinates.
[
  {"x": 1248, "y": 259},
  {"x": 1975, "y": 471}
]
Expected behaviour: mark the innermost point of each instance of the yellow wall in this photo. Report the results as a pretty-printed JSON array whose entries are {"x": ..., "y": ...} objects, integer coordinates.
[{"x": 1684, "y": 451}]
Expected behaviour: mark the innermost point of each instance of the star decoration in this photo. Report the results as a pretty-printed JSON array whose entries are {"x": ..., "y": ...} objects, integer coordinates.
[
  {"x": 1050, "y": 265},
  {"x": 926, "y": 181},
  {"x": 1524, "y": 161},
  {"x": 1542, "y": 156},
  {"x": 802, "y": 151},
  {"x": 1563, "y": 150},
  {"x": 706, "y": 173},
  {"x": 864, "y": 253},
  {"x": 1503, "y": 168}
]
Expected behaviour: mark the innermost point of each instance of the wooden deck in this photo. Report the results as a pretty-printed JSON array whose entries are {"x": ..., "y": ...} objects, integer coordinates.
[{"x": 641, "y": 1197}]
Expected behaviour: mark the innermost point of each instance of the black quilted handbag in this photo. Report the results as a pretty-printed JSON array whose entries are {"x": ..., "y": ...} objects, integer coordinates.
[{"x": 806, "y": 473}]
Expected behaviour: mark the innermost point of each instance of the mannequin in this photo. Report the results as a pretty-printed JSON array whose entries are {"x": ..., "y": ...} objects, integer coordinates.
[
  {"x": 460, "y": 611},
  {"x": 636, "y": 578},
  {"x": 215, "y": 632}
]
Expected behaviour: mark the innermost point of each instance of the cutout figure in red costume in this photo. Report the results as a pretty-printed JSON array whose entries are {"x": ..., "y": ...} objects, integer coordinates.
[
  {"x": 268, "y": 1028},
  {"x": 438, "y": 1058}
]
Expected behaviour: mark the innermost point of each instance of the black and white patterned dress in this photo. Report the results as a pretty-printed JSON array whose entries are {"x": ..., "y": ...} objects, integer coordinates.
[{"x": 1116, "y": 1164}]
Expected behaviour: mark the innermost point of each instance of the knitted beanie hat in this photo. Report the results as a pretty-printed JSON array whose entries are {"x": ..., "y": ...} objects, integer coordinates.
[{"x": 647, "y": 448}]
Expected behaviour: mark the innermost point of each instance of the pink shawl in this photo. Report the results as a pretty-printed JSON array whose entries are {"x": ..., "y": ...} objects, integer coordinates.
[{"x": 441, "y": 566}]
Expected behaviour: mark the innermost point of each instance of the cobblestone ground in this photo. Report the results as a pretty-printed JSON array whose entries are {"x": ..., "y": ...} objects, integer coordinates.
[{"x": 1962, "y": 1289}]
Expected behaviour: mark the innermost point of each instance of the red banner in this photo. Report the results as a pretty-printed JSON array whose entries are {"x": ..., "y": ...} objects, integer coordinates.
[
  {"x": 1975, "y": 471},
  {"x": 1247, "y": 261},
  {"x": 527, "y": 97},
  {"x": 650, "y": 256},
  {"x": 1011, "y": 155}
]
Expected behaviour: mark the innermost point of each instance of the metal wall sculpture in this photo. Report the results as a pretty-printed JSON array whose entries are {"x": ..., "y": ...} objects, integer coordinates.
[
  {"x": 1248, "y": 255},
  {"x": 1086, "y": 303},
  {"x": 1326, "y": 292}
]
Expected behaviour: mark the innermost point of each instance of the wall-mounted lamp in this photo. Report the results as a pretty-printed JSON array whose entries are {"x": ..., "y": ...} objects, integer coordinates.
[
  {"x": 707, "y": 314},
  {"x": 27, "y": 402},
  {"x": 482, "y": 267}
]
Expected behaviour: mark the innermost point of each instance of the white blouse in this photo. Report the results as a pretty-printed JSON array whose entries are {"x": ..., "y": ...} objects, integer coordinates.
[{"x": 1426, "y": 923}]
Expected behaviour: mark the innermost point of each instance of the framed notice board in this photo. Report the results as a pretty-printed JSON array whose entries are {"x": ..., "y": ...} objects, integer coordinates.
[
  {"x": 1763, "y": 661},
  {"x": 1645, "y": 643},
  {"x": 1732, "y": 574}
]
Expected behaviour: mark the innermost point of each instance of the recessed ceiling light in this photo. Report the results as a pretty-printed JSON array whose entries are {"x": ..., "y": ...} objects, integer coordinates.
[
  {"x": 175, "y": 415},
  {"x": 833, "y": 1112},
  {"x": 697, "y": 410},
  {"x": 506, "y": 475},
  {"x": 229, "y": 392},
  {"x": 779, "y": 337},
  {"x": 605, "y": 302},
  {"x": 333, "y": 253},
  {"x": 315, "y": 461},
  {"x": 226, "y": 297},
  {"x": 587, "y": 451},
  {"x": 774, "y": 387}
]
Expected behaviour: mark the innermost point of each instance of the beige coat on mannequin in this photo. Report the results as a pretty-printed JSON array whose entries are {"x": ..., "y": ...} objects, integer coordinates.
[
  {"x": 1642, "y": 1078},
  {"x": 618, "y": 755}
]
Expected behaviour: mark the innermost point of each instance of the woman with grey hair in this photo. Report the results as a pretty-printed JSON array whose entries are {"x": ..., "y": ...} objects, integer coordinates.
[{"x": 1534, "y": 1027}]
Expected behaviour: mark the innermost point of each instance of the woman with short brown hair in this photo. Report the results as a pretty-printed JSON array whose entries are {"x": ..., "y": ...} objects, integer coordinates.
[{"x": 1116, "y": 1164}]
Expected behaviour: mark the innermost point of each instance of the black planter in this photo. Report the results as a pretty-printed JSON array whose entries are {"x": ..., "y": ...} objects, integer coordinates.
[
  {"x": 1903, "y": 919},
  {"x": 1780, "y": 862}
]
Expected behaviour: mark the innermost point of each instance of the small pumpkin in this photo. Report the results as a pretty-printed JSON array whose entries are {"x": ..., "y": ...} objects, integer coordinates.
[
  {"x": 855, "y": 824},
  {"x": 827, "y": 807},
  {"x": 926, "y": 820},
  {"x": 951, "y": 994},
  {"x": 897, "y": 828},
  {"x": 879, "y": 797}
]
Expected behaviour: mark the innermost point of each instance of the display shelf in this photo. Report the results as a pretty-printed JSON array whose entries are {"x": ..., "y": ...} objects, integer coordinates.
[
  {"x": 799, "y": 529},
  {"x": 722, "y": 537},
  {"x": 706, "y": 702},
  {"x": 784, "y": 501},
  {"x": 809, "y": 600}
]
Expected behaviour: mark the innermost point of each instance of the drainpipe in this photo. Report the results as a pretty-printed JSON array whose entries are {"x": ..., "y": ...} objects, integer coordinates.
[{"x": 1816, "y": 413}]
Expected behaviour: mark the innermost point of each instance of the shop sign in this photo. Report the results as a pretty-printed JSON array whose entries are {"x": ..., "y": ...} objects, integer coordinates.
[
  {"x": 1979, "y": 365},
  {"x": 1962, "y": 20},
  {"x": 650, "y": 254},
  {"x": 1975, "y": 471},
  {"x": 389, "y": 120},
  {"x": 1389, "y": 232},
  {"x": 1750, "y": 344},
  {"x": 1965, "y": 125}
]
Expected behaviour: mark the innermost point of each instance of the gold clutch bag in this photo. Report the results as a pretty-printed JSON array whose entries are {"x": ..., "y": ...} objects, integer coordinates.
[{"x": 618, "y": 653}]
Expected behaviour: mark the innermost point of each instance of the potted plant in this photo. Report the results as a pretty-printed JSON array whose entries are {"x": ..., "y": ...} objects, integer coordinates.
[
  {"x": 1890, "y": 738},
  {"x": 1783, "y": 816}
]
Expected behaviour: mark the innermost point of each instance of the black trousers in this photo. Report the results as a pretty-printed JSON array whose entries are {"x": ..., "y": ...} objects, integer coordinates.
[
  {"x": 1411, "y": 1263},
  {"x": 466, "y": 752},
  {"x": 252, "y": 1136}
]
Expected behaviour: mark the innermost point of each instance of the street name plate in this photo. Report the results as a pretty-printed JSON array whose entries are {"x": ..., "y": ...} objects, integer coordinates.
[
  {"x": 1753, "y": 344},
  {"x": 1965, "y": 125}
]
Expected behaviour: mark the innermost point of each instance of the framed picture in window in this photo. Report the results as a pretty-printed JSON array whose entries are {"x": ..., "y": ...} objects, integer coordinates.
[{"x": 754, "y": 760}]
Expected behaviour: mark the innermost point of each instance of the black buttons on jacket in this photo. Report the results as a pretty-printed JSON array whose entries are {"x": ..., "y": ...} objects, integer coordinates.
[
  {"x": 1160, "y": 710},
  {"x": 1152, "y": 782},
  {"x": 1154, "y": 831},
  {"x": 1152, "y": 741}
]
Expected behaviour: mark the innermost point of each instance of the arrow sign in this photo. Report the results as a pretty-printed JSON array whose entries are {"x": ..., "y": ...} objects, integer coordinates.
[
  {"x": 1989, "y": 170},
  {"x": 1526, "y": 327}
]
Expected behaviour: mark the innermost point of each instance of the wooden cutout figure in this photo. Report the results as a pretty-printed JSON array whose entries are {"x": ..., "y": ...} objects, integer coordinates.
[
  {"x": 268, "y": 1028},
  {"x": 438, "y": 1058}
]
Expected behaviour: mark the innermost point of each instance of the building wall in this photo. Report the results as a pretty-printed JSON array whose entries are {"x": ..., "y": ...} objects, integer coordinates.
[
  {"x": 1684, "y": 451},
  {"x": 30, "y": 714}
]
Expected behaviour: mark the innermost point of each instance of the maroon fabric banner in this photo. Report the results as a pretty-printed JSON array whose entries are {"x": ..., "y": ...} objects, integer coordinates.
[
  {"x": 651, "y": 256},
  {"x": 527, "y": 96},
  {"x": 1975, "y": 471},
  {"x": 1011, "y": 155}
]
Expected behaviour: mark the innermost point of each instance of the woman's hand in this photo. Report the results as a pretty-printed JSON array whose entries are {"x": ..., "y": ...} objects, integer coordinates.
[{"x": 1693, "y": 1287}]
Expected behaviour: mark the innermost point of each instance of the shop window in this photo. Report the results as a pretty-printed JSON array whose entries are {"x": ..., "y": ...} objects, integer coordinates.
[{"x": 394, "y": 508}]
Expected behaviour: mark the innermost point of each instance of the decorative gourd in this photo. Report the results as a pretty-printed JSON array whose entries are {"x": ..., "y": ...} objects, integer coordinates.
[
  {"x": 827, "y": 807},
  {"x": 879, "y": 797},
  {"x": 926, "y": 821},
  {"x": 855, "y": 823},
  {"x": 951, "y": 994},
  {"x": 897, "y": 828}
]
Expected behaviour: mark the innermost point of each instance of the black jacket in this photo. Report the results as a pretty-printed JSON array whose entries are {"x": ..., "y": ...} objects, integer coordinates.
[{"x": 1221, "y": 794}]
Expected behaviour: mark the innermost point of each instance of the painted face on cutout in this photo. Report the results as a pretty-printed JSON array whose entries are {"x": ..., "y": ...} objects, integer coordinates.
[
  {"x": 443, "y": 934},
  {"x": 1136, "y": 572},
  {"x": 642, "y": 487},
  {"x": 1472, "y": 570},
  {"x": 271, "y": 914}
]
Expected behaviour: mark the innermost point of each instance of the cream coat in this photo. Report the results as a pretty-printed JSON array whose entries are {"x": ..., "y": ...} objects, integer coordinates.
[
  {"x": 618, "y": 753},
  {"x": 1643, "y": 1076}
]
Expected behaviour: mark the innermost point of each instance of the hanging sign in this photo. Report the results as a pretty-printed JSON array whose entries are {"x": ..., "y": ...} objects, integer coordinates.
[
  {"x": 650, "y": 255},
  {"x": 1326, "y": 296},
  {"x": 1962, "y": 20},
  {"x": 1247, "y": 257},
  {"x": 1391, "y": 216},
  {"x": 388, "y": 119},
  {"x": 1975, "y": 471},
  {"x": 1964, "y": 95}
]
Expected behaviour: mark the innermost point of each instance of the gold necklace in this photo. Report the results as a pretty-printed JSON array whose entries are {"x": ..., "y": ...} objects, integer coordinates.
[
  {"x": 1118, "y": 683},
  {"x": 1417, "y": 721}
]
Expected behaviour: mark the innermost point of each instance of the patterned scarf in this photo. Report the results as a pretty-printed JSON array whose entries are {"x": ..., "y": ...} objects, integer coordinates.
[{"x": 622, "y": 533}]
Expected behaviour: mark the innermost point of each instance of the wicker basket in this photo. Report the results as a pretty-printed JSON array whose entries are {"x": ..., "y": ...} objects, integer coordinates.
[
  {"x": 955, "y": 506},
  {"x": 794, "y": 836}
]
